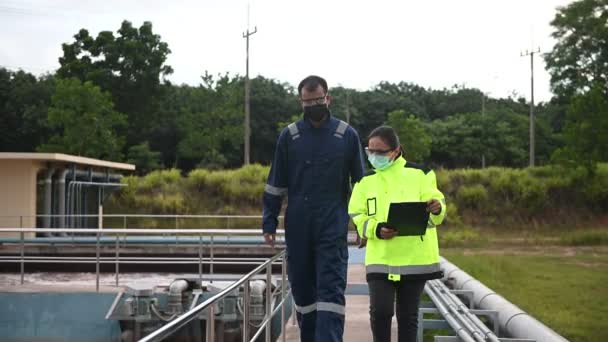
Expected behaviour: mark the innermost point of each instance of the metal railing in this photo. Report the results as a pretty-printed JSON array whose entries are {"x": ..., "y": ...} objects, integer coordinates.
[
  {"x": 125, "y": 217},
  {"x": 173, "y": 326},
  {"x": 120, "y": 235},
  {"x": 461, "y": 319},
  {"x": 117, "y": 260}
]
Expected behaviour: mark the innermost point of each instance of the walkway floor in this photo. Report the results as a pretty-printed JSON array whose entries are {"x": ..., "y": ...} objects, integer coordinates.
[{"x": 356, "y": 328}]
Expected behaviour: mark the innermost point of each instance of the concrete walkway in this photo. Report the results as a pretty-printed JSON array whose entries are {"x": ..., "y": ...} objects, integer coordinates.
[{"x": 356, "y": 328}]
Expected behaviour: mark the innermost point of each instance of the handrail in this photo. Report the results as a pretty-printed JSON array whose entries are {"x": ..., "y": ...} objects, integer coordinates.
[
  {"x": 141, "y": 215},
  {"x": 176, "y": 324},
  {"x": 128, "y": 231},
  {"x": 121, "y": 233}
]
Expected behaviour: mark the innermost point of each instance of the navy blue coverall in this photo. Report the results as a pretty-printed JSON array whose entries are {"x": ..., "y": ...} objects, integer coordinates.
[{"x": 313, "y": 167}]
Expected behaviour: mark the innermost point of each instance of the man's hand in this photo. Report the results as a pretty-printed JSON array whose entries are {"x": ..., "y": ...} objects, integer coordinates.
[
  {"x": 269, "y": 239},
  {"x": 433, "y": 206}
]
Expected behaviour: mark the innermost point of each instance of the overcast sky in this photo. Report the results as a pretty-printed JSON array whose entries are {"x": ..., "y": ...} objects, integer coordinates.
[{"x": 351, "y": 43}]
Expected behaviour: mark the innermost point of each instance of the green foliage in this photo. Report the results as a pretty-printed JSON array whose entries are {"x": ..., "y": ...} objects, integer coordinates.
[
  {"x": 144, "y": 159},
  {"x": 494, "y": 196},
  {"x": 24, "y": 101},
  {"x": 239, "y": 186},
  {"x": 234, "y": 191},
  {"x": 462, "y": 237},
  {"x": 500, "y": 135},
  {"x": 160, "y": 180},
  {"x": 596, "y": 189},
  {"x": 452, "y": 217},
  {"x": 128, "y": 65},
  {"x": 271, "y": 102},
  {"x": 211, "y": 121},
  {"x": 586, "y": 130},
  {"x": 473, "y": 196},
  {"x": 85, "y": 122},
  {"x": 594, "y": 237},
  {"x": 579, "y": 59},
  {"x": 128, "y": 194},
  {"x": 202, "y": 126},
  {"x": 413, "y": 135},
  {"x": 506, "y": 196},
  {"x": 159, "y": 192}
]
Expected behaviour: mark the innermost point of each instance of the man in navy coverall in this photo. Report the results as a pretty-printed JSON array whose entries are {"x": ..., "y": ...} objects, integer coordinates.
[{"x": 315, "y": 161}]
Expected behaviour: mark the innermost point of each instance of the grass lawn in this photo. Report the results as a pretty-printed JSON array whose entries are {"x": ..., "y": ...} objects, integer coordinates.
[{"x": 565, "y": 287}]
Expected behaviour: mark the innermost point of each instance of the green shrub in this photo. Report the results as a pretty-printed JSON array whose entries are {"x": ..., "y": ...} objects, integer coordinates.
[
  {"x": 492, "y": 196},
  {"x": 464, "y": 237},
  {"x": 530, "y": 194},
  {"x": 596, "y": 190},
  {"x": 473, "y": 196},
  {"x": 585, "y": 238},
  {"x": 451, "y": 216},
  {"x": 163, "y": 203},
  {"x": 160, "y": 179},
  {"x": 197, "y": 179}
]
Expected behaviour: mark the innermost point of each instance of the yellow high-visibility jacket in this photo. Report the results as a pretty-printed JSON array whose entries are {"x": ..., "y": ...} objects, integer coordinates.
[{"x": 402, "y": 257}]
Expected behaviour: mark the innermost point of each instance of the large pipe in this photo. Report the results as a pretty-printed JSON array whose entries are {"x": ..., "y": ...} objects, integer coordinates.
[
  {"x": 73, "y": 191},
  {"x": 61, "y": 197},
  {"x": 453, "y": 306},
  {"x": 488, "y": 335},
  {"x": 512, "y": 320},
  {"x": 176, "y": 289},
  {"x": 48, "y": 197},
  {"x": 447, "y": 315}
]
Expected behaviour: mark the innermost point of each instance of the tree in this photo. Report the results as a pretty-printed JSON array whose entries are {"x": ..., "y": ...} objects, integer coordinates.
[
  {"x": 84, "y": 121},
  {"x": 413, "y": 135},
  {"x": 271, "y": 102},
  {"x": 501, "y": 135},
  {"x": 129, "y": 66},
  {"x": 210, "y": 125},
  {"x": 144, "y": 159},
  {"x": 24, "y": 101},
  {"x": 456, "y": 141},
  {"x": 586, "y": 130},
  {"x": 579, "y": 59}
]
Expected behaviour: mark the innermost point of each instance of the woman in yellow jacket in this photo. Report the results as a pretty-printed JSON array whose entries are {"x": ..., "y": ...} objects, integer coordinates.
[{"x": 396, "y": 266}]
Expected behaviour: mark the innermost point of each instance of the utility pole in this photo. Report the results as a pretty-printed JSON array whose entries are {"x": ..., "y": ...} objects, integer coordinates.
[
  {"x": 531, "y": 54},
  {"x": 348, "y": 106},
  {"x": 483, "y": 114},
  {"x": 247, "y": 125}
]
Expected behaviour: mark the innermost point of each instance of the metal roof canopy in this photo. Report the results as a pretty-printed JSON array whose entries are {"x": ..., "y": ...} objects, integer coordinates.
[{"x": 60, "y": 157}]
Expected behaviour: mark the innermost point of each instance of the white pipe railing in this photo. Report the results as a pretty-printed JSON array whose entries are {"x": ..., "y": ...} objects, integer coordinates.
[{"x": 117, "y": 234}]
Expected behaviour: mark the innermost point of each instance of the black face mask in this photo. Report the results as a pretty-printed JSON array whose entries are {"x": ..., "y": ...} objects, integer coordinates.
[{"x": 316, "y": 113}]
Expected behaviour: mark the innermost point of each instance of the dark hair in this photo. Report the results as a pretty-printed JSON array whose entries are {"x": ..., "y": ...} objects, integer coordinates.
[
  {"x": 311, "y": 83},
  {"x": 387, "y": 134}
]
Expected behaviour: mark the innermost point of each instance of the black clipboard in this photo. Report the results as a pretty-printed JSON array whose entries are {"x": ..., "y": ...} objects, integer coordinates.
[{"x": 409, "y": 218}]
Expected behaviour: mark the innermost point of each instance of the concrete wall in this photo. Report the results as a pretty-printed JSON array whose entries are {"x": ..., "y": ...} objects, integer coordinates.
[
  {"x": 67, "y": 317},
  {"x": 18, "y": 194}
]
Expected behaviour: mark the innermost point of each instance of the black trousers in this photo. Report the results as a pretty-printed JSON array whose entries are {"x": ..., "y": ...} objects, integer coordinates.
[{"x": 382, "y": 307}]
